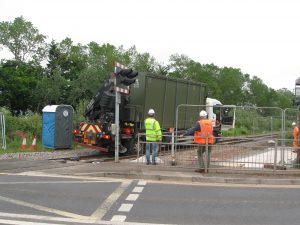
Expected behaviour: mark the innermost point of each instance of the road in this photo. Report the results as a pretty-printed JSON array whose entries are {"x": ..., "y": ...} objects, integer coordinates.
[{"x": 41, "y": 198}]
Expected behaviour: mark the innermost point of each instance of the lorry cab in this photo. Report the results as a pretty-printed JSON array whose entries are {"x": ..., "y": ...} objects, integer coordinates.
[{"x": 222, "y": 116}]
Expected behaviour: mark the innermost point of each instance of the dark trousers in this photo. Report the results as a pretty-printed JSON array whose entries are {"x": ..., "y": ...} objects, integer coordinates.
[{"x": 201, "y": 150}]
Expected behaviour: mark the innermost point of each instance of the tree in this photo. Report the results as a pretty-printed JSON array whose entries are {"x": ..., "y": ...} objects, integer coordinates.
[
  {"x": 178, "y": 65},
  {"x": 182, "y": 66},
  {"x": 23, "y": 40},
  {"x": 50, "y": 91},
  {"x": 284, "y": 98},
  {"x": 259, "y": 92},
  {"x": 139, "y": 61},
  {"x": 66, "y": 58},
  {"x": 100, "y": 61},
  {"x": 231, "y": 82},
  {"x": 17, "y": 86}
]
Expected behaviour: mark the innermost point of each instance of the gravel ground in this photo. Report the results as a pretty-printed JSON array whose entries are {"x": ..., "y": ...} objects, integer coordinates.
[{"x": 52, "y": 154}]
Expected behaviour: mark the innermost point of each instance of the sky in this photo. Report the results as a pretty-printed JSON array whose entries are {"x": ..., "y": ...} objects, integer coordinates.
[{"x": 260, "y": 37}]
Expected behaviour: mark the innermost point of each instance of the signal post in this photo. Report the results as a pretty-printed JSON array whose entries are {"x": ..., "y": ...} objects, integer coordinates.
[{"x": 123, "y": 77}]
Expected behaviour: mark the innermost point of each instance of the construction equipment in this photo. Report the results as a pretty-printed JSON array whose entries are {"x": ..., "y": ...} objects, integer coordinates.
[
  {"x": 161, "y": 93},
  {"x": 148, "y": 91}
]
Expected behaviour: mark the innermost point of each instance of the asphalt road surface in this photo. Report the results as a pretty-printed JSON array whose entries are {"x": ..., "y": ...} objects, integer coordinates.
[{"x": 32, "y": 197}]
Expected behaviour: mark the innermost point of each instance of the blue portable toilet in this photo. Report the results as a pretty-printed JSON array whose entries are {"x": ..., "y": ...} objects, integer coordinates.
[{"x": 57, "y": 126}]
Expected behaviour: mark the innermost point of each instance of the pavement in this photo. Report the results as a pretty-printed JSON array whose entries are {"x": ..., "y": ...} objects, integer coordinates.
[{"x": 130, "y": 169}]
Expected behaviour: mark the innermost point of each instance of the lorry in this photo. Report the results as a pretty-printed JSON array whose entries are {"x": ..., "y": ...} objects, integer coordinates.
[
  {"x": 161, "y": 93},
  {"x": 222, "y": 116}
]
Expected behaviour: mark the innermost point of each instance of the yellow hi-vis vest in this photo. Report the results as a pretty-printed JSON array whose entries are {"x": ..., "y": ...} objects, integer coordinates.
[
  {"x": 153, "y": 132},
  {"x": 206, "y": 132}
]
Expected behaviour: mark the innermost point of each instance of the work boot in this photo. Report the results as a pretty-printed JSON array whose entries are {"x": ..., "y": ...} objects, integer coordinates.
[
  {"x": 148, "y": 163},
  {"x": 154, "y": 163}
]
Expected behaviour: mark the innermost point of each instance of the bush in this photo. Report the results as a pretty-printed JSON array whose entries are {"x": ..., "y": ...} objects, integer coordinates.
[
  {"x": 17, "y": 126},
  {"x": 235, "y": 132},
  {"x": 79, "y": 113}
]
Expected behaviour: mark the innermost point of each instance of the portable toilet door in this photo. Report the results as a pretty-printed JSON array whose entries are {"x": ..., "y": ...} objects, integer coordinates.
[{"x": 57, "y": 126}]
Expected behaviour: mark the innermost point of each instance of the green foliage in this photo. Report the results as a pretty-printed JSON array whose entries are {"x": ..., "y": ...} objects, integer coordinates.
[
  {"x": 231, "y": 82},
  {"x": 66, "y": 58},
  {"x": 30, "y": 125},
  {"x": 50, "y": 91},
  {"x": 17, "y": 126},
  {"x": 23, "y": 40},
  {"x": 17, "y": 85},
  {"x": 259, "y": 120},
  {"x": 75, "y": 72},
  {"x": 235, "y": 132},
  {"x": 79, "y": 113}
]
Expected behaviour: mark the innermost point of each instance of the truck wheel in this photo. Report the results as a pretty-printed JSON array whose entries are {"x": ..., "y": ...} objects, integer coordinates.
[
  {"x": 123, "y": 150},
  {"x": 132, "y": 147},
  {"x": 138, "y": 147}
]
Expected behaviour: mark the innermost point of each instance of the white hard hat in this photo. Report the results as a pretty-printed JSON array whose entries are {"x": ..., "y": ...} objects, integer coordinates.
[
  {"x": 293, "y": 124},
  {"x": 203, "y": 114},
  {"x": 151, "y": 112}
]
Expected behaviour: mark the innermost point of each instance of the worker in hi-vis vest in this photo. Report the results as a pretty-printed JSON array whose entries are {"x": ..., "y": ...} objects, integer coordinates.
[
  {"x": 203, "y": 132},
  {"x": 296, "y": 135},
  {"x": 153, "y": 135}
]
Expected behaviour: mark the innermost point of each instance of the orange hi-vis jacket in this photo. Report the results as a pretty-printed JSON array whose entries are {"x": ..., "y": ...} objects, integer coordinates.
[
  {"x": 296, "y": 134},
  {"x": 206, "y": 132}
]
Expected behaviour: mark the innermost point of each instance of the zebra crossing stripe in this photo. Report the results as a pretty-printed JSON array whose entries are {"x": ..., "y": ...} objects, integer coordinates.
[
  {"x": 142, "y": 183},
  {"x": 132, "y": 197},
  {"x": 138, "y": 189},
  {"x": 118, "y": 218},
  {"x": 125, "y": 207}
]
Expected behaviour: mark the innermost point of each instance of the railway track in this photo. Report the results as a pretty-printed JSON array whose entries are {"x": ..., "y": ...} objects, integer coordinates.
[
  {"x": 246, "y": 139},
  {"x": 165, "y": 149}
]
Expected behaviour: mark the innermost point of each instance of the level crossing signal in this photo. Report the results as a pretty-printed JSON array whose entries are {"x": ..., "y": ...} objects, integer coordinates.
[
  {"x": 127, "y": 76},
  {"x": 124, "y": 77}
]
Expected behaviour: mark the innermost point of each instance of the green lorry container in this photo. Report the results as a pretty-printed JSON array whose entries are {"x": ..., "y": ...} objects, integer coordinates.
[
  {"x": 164, "y": 94},
  {"x": 150, "y": 91}
]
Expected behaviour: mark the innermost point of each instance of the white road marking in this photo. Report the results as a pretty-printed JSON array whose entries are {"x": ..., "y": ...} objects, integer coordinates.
[
  {"x": 62, "y": 219},
  {"x": 16, "y": 222},
  {"x": 132, "y": 197},
  {"x": 41, "y": 174},
  {"x": 57, "y": 182},
  {"x": 105, "y": 206},
  {"x": 39, "y": 218},
  {"x": 138, "y": 189},
  {"x": 142, "y": 183},
  {"x": 118, "y": 218},
  {"x": 125, "y": 207},
  {"x": 43, "y": 208}
]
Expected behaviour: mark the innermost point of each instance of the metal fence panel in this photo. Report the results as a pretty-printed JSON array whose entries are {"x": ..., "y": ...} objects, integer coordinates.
[
  {"x": 268, "y": 147},
  {"x": 2, "y": 131},
  {"x": 256, "y": 153}
]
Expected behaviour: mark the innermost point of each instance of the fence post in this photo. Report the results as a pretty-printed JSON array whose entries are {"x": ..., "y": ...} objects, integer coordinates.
[
  {"x": 275, "y": 156},
  {"x": 173, "y": 163},
  {"x": 206, "y": 156},
  {"x": 282, "y": 156},
  {"x": 2, "y": 124},
  {"x": 138, "y": 148}
]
